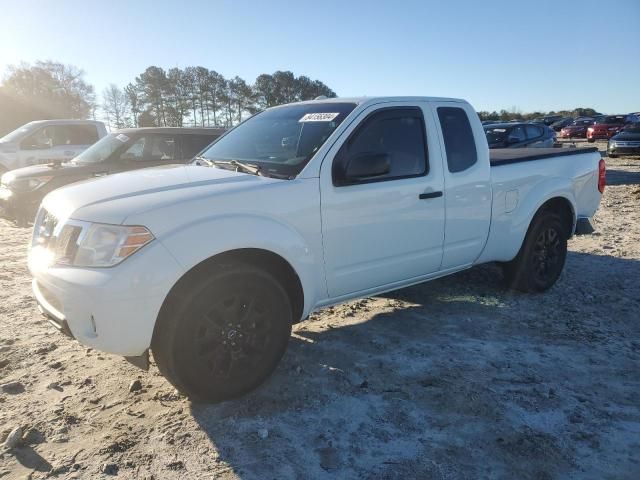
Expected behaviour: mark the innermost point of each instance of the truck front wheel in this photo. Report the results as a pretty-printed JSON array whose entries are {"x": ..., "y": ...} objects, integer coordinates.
[
  {"x": 541, "y": 258},
  {"x": 224, "y": 336}
]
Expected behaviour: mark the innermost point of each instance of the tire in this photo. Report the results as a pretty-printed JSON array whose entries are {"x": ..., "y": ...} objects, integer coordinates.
[
  {"x": 541, "y": 258},
  {"x": 224, "y": 337},
  {"x": 612, "y": 155},
  {"x": 591, "y": 140}
]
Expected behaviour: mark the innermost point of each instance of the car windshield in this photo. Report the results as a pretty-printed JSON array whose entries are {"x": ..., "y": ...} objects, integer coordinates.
[
  {"x": 103, "y": 148},
  {"x": 581, "y": 123},
  {"x": 611, "y": 119},
  {"x": 635, "y": 128},
  {"x": 496, "y": 135},
  {"x": 17, "y": 134},
  {"x": 282, "y": 140}
]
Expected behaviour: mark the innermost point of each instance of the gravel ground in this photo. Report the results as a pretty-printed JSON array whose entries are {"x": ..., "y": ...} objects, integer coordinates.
[{"x": 453, "y": 379}]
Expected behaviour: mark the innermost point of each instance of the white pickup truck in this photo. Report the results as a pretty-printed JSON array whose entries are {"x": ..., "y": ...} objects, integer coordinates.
[
  {"x": 299, "y": 207},
  {"x": 48, "y": 141}
]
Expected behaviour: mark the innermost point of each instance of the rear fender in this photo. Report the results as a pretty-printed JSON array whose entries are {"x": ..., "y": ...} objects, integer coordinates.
[{"x": 509, "y": 226}]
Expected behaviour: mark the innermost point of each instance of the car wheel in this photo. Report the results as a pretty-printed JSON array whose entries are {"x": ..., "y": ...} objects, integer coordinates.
[
  {"x": 224, "y": 337},
  {"x": 541, "y": 258},
  {"x": 591, "y": 140},
  {"x": 612, "y": 155}
]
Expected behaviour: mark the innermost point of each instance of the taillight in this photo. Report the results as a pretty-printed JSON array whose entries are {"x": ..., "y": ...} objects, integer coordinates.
[{"x": 602, "y": 175}]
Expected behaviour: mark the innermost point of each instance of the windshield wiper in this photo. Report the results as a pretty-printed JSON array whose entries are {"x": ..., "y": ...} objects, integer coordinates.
[
  {"x": 236, "y": 164},
  {"x": 247, "y": 167},
  {"x": 205, "y": 160}
]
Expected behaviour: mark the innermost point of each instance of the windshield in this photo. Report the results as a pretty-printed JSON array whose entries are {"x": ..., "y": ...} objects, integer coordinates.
[
  {"x": 581, "y": 123},
  {"x": 17, "y": 134},
  {"x": 496, "y": 135},
  {"x": 610, "y": 119},
  {"x": 634, "y": 128},
  {"x": 281, "y": 140},
  {"x": 102, "y": 149}
]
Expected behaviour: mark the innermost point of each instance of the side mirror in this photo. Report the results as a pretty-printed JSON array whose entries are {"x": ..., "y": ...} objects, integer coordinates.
[
  {"x": 365, "y": 166},
  {"x": 512, "y": 139}
]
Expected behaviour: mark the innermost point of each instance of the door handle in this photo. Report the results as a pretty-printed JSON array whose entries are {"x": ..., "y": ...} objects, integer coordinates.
[{"x": 424, "y": 196}]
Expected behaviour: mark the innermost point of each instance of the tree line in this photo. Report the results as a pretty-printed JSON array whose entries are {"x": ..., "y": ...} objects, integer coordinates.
[
  {"x": 197, "y": 96},
  {"x": 515, "y": 114},
  {"x": 192, "y": 96}
]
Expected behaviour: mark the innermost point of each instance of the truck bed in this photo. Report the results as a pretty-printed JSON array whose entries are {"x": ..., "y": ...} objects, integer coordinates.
[{"x": 507, "y": 156}]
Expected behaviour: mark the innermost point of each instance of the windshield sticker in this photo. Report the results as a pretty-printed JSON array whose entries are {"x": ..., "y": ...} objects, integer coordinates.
[
  {"x": 319, "y": 117},
  {"x": 123, "y": 138}
]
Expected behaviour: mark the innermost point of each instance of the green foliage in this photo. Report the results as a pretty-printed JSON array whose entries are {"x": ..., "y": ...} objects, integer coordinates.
[{"x": 41, "y": 91}]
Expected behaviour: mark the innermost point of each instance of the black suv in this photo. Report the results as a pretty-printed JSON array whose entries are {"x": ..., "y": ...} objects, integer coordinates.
[{"x": 22, "y": 190}]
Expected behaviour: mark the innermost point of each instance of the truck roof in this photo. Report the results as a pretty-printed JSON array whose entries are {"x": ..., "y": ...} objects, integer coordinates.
[
  {"x": 373, "y": 100},
  {"x": 63, "y": 121}
]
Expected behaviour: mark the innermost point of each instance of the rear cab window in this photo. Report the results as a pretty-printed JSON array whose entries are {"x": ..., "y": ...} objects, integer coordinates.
[{"x": 459, "y": 141}]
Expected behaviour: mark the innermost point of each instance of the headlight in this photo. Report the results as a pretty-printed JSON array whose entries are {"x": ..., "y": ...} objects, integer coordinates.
[
  {"x": 24, "y": 185},
  {"x": 7, "y": 178},
  {"x": 84, "y": 244},
  {"x": 108, "y": 245},
  {"x": 37, "y": 182}
]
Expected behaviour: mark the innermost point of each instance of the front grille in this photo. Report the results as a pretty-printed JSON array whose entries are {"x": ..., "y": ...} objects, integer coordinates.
[{"x": 634, "y": 144}]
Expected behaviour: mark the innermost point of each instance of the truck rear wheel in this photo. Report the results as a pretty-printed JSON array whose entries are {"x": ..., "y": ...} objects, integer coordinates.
[
  {"x": 224, "y": 337},
  {"x": 541, "y": 258}
]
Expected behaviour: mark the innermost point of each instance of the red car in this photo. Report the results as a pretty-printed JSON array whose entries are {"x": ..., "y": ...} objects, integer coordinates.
[
  {"x": 606, "y": 127},
  {"x": 577, "y": 129}
]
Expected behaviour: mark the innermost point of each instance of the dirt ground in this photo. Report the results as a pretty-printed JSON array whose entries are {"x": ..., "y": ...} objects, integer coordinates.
[{"x": 453, "y": 379}]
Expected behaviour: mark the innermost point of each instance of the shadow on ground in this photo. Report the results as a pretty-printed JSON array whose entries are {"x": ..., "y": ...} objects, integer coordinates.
[{"x": 456, "y": 378}]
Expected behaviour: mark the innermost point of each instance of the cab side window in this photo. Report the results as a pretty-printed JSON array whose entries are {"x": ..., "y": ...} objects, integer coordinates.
[
  {"x": 459, "y": 142},
  {"x": 390, "y": 144},
  {"x": 151, "y": 148},
  {"x": 518, "y": 133},
  {"x": 194, "y": 144}
]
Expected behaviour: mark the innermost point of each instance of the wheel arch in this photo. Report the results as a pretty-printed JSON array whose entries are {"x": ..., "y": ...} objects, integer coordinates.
[
  {"x": 271, "y": 262},
  {"x": 562, "y": 206}
]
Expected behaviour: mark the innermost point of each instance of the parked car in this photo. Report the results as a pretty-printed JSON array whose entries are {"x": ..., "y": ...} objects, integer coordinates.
[
  {"x": 210, "y": 266},
  {"x": 605, "y": 127},
  {"x": 577, "y": 129},
  {"x": 550, "y": 119},
  {"x": 22, "y": 190},
  {"x": 563, "y": 122},
  {"x": 626, "y": 142},
  {"x": 46, "y": 141},
  {"x": 518, "y": 135}
]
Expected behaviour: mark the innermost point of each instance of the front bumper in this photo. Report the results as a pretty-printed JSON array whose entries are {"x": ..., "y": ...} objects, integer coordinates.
[
  {"x": 622, "y": 150},
  {"x": 110, "y": 309},
  {"x": 18, "y": 206}
]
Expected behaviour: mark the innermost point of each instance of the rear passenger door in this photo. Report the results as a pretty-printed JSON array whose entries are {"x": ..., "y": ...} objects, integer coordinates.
[
  {"x": 467, "y": 180},
  {"x": 389, "y": 228},
  {"x": 191, "y": 145}
]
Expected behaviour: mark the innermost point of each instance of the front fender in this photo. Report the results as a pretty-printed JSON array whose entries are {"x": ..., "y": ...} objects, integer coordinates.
[{"x": 200, "y": 240}]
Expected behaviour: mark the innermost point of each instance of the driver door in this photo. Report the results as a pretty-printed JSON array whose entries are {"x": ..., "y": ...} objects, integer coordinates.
[
  {"x": 386, "y": 229},
  {"x": 150, "y": 150}
]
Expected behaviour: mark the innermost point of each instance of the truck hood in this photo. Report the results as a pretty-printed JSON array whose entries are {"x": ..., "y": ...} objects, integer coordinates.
[{"x": 113, "y": 198}]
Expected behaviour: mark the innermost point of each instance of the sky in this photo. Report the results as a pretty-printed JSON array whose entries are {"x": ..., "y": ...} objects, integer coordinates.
[{"x": 542, "y": 55}]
